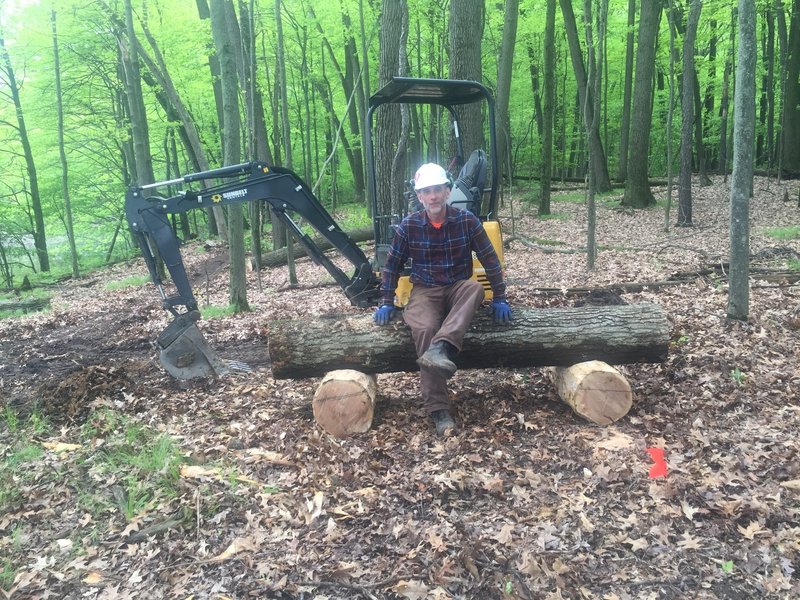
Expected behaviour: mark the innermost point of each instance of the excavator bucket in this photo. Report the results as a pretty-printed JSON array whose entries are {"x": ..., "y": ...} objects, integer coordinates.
[{"x": 184, "y": 352}]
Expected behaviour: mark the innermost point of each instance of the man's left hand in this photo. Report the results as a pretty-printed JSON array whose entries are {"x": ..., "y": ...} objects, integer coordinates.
[{"x": 501, "y": 311}]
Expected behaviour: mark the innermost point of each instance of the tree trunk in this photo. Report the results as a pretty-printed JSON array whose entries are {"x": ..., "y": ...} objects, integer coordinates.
[
  {"x": 594, "y": 390},
  {"x": 624, "y": 134},
  {"x": 467, "y": 18},
  {"x": 548, "y": 111},
  {"x": 790, "y": 129},
  {"x": 687, "y": 117},
  {"x": 138, "y": 114},
  {"x": 504, "y": 87},
  {"x": 282, "y": 93},
  {"x": 724, "y": 105},
  {"x": 73, "y": 253},
  {"x": 344, "y": 402},
  {"x": 599, "y": 164},
  {"x": 537, "y": 337},
  {"x": 637, "y": 187},
  {"x": 744, "y": 109},
  {"x": 225, "y": 43},
  {"x": 387, "y": 119},
  {"x": 39, "y": 234}
]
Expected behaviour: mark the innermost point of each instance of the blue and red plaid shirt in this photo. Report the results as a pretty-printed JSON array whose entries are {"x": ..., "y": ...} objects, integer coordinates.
[{"x": 443, "y": 255}]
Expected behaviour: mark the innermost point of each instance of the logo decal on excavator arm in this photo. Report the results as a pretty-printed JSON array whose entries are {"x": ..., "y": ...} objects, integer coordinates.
[{"x": 216, "y": 198}]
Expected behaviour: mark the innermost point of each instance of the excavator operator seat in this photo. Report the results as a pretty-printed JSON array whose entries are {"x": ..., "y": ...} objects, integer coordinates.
[{"x": 467, "y": 192}]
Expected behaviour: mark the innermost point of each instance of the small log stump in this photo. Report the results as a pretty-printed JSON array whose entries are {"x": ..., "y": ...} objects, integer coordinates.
[
  {"x": 344, "y": 402},
  {"x": 594, "y": 390}
]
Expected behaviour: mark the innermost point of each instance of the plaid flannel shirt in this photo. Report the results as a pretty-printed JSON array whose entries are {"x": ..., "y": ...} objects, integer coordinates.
[{"x": 441, "y": 256}]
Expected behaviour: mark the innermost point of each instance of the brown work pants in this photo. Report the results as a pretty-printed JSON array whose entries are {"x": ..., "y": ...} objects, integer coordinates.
[{"x": 442, "y": 313}]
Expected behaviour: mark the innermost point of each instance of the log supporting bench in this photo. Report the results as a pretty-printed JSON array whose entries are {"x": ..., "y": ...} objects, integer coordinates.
[{"x": 582, "y": 343}]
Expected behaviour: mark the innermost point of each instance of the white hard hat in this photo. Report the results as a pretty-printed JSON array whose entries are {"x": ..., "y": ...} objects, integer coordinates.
[{"x": 430, "y": 174}]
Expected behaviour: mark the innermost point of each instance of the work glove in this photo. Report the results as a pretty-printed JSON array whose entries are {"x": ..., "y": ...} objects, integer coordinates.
[
  {"x": 384, "y": 314},
  {"x": 501, "y": 311}
]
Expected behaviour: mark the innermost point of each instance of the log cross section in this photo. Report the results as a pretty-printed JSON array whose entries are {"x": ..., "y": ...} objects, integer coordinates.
[{"x": 536, "y": 338}]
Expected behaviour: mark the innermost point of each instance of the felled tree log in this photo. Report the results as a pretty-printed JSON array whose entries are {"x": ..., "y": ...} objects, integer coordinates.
[
  {"x": 26, "y": 305},
  {"x": 278, "y": 258},
  {"x": 536, "y": 338},
  {"x": 344, "y": 402},
  {"x": 594, "y": 390}
]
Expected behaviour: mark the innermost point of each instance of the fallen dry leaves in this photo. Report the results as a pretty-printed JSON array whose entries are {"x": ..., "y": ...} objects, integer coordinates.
[{"x": 526, "y": 501}]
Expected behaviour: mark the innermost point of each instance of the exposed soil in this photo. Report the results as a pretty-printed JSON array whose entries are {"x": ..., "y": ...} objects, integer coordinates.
[{"x": 525, "y": 501}]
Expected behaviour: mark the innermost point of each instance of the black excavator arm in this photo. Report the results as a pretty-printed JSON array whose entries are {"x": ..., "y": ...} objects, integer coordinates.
[{"x": 184, "y": 352}]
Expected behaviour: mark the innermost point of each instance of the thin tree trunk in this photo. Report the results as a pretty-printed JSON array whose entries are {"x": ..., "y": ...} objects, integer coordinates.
[
  {"x": 790, "y": 130},
  {"x": 504, "y": 87},
  {"x": 222, "y": 30},
  {"x": 742, "y": 179},
  {"x": 637, "y": 186},
  {"x": 39, "y": 234},
  {"x": 625, "y": 127},
  {"x": 548, "y": 111},
  {"x": 688, "y": 116},
  {"x": 281, "y": 88},
  {"x": 599, "y": 164},
  {"x": 467, "y": 19},
  {"x": 73, "y": 252}
]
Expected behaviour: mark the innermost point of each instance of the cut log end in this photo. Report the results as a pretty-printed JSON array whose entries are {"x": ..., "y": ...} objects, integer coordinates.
[
  {"x": 594, "y": 390},
  {"x": 344, "y": 403}
]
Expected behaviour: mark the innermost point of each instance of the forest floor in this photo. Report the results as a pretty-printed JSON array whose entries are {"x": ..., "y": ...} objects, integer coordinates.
[{"x": 117, "y": 481}]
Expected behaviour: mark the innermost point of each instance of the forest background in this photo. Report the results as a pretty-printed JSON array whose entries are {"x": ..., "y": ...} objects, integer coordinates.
[{"x": 96, "y": 96}]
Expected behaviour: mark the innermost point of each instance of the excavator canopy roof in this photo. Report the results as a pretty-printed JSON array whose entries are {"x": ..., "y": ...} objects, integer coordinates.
[{"x": 446, "y": 92}]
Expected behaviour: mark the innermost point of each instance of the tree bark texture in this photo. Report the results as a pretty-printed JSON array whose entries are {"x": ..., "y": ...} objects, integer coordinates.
[
  {"x": 225, "y": 33},
  {"x": 387, "y": 118},
  {"x": 744, "y": 117},
  {"x": 790, "y": 131},
  {"x": 467, "y": 20},
  {"x": 39, "y": 234},
  {"x": 687, "y": 109},
  {"x": 625, "y": 127},
  {"x": 599, "y": 165},
  {"x": 536, "y": 337},
  {"x": 594, "y": 390},
  {"x": 548, "y": 112},
  {"x": 637, "y": 187}
]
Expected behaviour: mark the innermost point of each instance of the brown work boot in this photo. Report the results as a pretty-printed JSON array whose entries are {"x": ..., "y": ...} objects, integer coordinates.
[
  {"x": 437, "y": 359},
  {"x": 445, "y": 425}
]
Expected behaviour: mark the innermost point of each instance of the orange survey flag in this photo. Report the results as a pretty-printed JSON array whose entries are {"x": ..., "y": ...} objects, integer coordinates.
[{"x": 659, "y": 469}]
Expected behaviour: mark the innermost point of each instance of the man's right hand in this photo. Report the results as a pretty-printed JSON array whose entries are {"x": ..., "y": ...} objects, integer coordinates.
[{"x": 384, "y": 314}]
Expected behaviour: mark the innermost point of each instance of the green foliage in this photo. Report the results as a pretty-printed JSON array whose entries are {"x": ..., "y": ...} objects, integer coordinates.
[
  {"x": 144, "y": 462},
  {"x": 784, "y": 233},
  {"x": 212, "y": 312},
  {"x": 7, "y": 573},
  {"x": 727, "y": 566},
  {"x": 794, "y": 264},
  {"x": 738, "y": 376},
  {"x": 132, "y": 281}
]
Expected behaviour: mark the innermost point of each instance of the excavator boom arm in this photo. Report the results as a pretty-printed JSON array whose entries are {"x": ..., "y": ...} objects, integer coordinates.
[
  {"x": 282, "y": 189},
  {"x": 184, "y": 353}
]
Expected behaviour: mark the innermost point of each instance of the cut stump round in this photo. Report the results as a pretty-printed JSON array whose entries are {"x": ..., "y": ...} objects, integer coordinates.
[
  {"x": 594, "y": 390},
  {"x": 344, "y": 402}
]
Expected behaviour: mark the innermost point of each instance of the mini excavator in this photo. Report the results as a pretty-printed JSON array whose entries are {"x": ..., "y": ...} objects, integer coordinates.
[{"x": 183, "y": 351}]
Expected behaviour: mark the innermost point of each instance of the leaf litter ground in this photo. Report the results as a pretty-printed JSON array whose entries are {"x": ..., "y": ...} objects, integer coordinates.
[{"x": 526, "y": 501}]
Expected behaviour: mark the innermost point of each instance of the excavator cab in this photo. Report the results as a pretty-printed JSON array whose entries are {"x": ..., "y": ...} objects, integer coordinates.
[{"x": 474, "y": 178}]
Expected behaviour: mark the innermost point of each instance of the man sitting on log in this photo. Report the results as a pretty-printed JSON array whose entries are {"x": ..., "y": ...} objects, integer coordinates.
[{"x": 439, "y": 240}]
